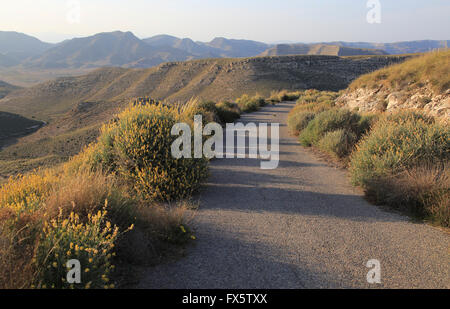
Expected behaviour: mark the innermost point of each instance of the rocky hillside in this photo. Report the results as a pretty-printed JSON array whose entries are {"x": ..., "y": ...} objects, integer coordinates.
[
  {"x": 179, "y": 81},
  {"x": 421, "y": 83},
  {"x": 319, "y": 49}
]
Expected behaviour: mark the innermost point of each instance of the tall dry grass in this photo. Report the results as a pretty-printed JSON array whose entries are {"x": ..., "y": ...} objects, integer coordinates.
[
  {"x": 422, "y": 190},
  {"x": 431, "y": 68}
]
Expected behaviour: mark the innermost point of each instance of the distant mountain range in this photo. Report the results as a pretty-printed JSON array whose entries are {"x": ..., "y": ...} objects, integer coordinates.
[
  {"x": 123, "y": 49},
  {"x": 16, "y": 47}
]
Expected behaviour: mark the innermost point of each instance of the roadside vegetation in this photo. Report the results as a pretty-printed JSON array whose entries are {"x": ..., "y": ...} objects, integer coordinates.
[
  {"x": 92, "y": 207},
  {"x": 400, "y": 160},
  {"x": 122, "y": 194}
]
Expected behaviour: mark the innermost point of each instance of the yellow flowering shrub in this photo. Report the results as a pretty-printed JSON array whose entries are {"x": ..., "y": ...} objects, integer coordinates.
[
  {"x": 91, "y": 243},
  {"x": 25, "y": 193},
  {"x": 50, "y": 217}
]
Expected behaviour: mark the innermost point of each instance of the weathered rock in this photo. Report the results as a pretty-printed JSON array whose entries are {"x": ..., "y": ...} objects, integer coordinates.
[{"x": 422, "y": 99}]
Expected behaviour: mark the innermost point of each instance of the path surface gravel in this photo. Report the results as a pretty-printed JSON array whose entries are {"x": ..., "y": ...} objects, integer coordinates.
[{"x": 301, "y": 225}]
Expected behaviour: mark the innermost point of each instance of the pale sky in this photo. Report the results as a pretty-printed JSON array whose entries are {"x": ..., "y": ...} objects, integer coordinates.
[{"x": 261, "y": 20}]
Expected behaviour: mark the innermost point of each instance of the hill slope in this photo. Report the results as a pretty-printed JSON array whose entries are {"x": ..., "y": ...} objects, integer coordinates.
[
  {"x": 6, "y": 88},
  {"x": 319, "y": 49},
  {"x": 420, "y": 83},
  {"x": 13, "y": 126},
  {"x": 178, "y": 81},
  {"x": 8, "y": 61}
]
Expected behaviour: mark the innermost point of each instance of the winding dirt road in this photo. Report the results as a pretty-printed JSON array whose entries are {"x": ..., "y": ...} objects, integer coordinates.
[{"x": 301, "y": 225}]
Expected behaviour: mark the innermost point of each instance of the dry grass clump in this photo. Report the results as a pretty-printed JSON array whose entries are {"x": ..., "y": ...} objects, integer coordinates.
[
  {"x": 284, "y": 95},
  {"x": 423, "y": 191},
  {"x": 86, "y": 192},
  {"x": 16, "y": 254},
  {"x": 248, "y": 104},
  {"x": 431, "y": 68},
  {"x": 309, "y": 104}
]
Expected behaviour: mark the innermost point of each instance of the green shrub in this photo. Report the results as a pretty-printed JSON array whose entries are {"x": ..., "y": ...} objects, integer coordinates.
[
  {"x": 327, "y": 121},
  {"x": 393, "y": 146},
  {"x": 228, "y": 112},
  {"x": 339, "y": 143},
  {"x": 315, "y": 96},
  {"x": 299, "y": 120},
  {"x": 138, "y": 148},
  {"x": 365, "y": 123},
  {"x": 249, "y": 104}
]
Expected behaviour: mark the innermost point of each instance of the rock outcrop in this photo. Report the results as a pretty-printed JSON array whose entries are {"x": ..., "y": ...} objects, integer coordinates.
[{"x": 381, "y": 99}]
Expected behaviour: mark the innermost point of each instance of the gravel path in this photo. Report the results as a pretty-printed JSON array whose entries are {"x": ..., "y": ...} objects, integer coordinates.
[{"x": 301, "y": 225}]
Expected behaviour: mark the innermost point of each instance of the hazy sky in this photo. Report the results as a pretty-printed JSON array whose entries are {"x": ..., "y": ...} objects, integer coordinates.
[{"x": 263, "y": 20}]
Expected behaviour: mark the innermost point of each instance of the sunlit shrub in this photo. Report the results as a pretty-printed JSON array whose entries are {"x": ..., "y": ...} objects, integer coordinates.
[
  {"x": 248, "y": 104},
  {"x": 393, "y": 146},
  {"x": 328, "y": 121},
  {"x": 138, "y": 148},
  {"x": 91, "y": 243},
  {"x": 25, "y": 193}
]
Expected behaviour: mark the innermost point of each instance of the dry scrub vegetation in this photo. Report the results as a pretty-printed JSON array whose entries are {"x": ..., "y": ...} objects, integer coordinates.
[
  {"x": 123, "y": 199},
  {"x": 430, "y": 68},
  {"x": 91, "y": 207},
  {"x": 401, "y": 159}
]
